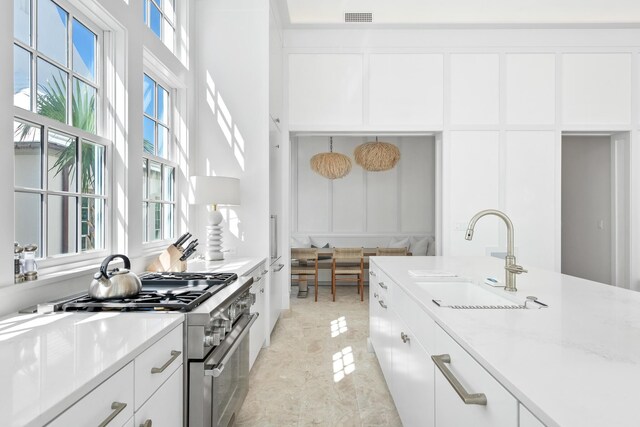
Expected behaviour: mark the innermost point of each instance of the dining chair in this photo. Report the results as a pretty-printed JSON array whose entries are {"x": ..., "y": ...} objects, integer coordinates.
[
  {"x": 344, "y": 269},
  {"x": 391, "y": 251},
  {"x": 304, "y": 262}
]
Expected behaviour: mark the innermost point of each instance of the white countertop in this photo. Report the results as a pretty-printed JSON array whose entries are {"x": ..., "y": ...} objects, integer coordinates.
[
  {"x": 576, "y": 363},
  {"x": 239, "y": 265},
  {"x": 49, "y": 361}
]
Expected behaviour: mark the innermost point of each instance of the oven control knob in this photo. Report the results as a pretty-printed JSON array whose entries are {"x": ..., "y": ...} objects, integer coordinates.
[{"x": 214, "y": 337}]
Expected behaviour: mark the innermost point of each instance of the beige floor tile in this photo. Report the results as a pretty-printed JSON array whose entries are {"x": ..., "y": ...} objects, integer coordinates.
[{"x": 317, "y": 371}]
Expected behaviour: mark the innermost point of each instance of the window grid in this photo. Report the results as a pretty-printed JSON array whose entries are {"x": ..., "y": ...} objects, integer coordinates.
[
  {"x": 155, "y": 226},
  {"x": 35, "y": 54},
  {"x": 165, "y": 17}
]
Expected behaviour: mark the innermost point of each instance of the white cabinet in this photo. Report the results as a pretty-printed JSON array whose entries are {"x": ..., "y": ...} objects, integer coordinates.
[
  {"x": 501, "y": 408},
  {"x": 275, "y": 69},
  {"x": 258, "y": 333},
  {"x": 276, "y": 292},
  {"x": 164, "y": 408},
  {"x": 112, "y": 400},
  {"x": 527, "y": 419},
  {"x": 531, "y": 89},
  {"x": 156, "y": 364},
  {"x": 475, "y": 89}
]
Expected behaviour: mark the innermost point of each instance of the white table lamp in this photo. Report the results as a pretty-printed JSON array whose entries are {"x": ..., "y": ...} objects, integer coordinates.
[{"x": 213, "y": 191}]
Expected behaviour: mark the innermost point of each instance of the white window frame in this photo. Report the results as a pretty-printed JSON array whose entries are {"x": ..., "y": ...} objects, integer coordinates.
[
  {"x": 163, "y": 17},
  {"x": 170, "y": 161},
  {"x": 50, "y": 263}
]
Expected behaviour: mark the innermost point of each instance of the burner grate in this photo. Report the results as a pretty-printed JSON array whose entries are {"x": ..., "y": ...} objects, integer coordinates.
[{"x": 145, "y": 300}]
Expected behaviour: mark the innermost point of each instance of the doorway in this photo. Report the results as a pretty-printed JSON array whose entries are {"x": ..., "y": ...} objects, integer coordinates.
[{"x": 595, "y": 225}]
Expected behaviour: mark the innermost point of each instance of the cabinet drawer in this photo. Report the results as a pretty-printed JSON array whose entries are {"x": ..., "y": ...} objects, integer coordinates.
[
  {"x": 423, "y": 325},
  {"x": 527, "y": 419},
  {"x": 112, "y": 400},
  {"x": 157, "y": 363},
  {"x": 165, "y": 407},
  {"x": 501, "y": 409}
]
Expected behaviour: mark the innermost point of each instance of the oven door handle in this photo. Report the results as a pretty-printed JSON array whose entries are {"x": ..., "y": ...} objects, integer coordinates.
[{"x": 217, "y": 371}]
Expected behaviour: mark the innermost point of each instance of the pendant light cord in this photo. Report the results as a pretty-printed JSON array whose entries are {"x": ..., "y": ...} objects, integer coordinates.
[{"x": 331, "y": 144}]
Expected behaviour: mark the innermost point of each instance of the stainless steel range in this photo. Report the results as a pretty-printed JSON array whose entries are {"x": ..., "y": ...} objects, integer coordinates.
[{"x": 217, "y": 324}]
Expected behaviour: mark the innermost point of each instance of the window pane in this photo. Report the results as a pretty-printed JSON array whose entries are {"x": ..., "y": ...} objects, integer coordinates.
[
  {"x": 92, "y": 226},
  {"x": 28, "y": 220},
  {"x": 84, "y": 51},
  {"x": 169, "y": 8},
  {"x": 52, "y": 31},
  {"x": 149, "y": 94},
  {"x": 21, "y": 78},
  {"x": 145, "y": 222},
  {"x": 168, "y": 178},
  {"x": 168, "y": 221},
  {"x": 22, "y": 20},
  {"x": 61, "y": 162},
  {"x": 145, "y": 179},
  {"x": 163, "y": 141},
  {"x": 27, "y": 155},
  {"x": 92, "y": 168},
  {"x": 155, "y": 222},
  {"x": 168, "y": 34},
  {"x": 84, "y": 106},
  {"x": 163, "y": 105},
  {"x": 145, "y": 5},
  {"x": 62, "y": 225},
  {"x": 155, "y": 19},
  {"x": 149, "y": 136},
  {"x": 51, "y": 99},
  {"x": 155, "y": 181}
]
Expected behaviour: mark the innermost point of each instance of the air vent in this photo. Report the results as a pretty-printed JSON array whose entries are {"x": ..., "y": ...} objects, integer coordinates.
[{"x": 358, "y": 17}]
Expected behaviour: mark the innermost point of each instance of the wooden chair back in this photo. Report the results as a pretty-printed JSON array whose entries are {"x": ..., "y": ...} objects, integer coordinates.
[
  {"x": 348, "y": 254},
  {"x": 391, "y": 251},
  {"x": 304, "y": 254}
]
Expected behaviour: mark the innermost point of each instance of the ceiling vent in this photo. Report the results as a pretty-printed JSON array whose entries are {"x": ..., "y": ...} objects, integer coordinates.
[{"x": 357, "y": 17}]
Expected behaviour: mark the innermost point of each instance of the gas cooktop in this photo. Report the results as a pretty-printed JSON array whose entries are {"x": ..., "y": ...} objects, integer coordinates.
[
  {"x": 172, "y": 280},
  {"x": 146, "y": 300}
]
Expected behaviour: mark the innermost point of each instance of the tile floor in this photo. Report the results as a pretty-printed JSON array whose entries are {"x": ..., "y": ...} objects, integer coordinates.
[{"x": 317, "y": 371}]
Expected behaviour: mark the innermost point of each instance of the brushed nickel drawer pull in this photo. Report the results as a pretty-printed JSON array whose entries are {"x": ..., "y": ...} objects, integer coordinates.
[
  {"x": 404, "y": 337},
  {"x": 382, "y": 285},
  {"x": 280, "y": 267},
  {"x": 147, "y": 423},
  {"x": 174, "y": 356},
  {"x": 381, "y": 302},
  {"x": 117, "y": 408},
  {"x": 372, "y": 273},
  {"x": 467, "y": 398}
]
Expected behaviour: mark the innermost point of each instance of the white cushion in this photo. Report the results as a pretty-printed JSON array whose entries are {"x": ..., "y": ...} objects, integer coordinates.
[
  {"x": 319, "y": 243},
  {"x": 419, "y": 246},
  {"x": 302, "y": 242},
  {"x": 432, "y": 246},
  {"x": 399, "y": 243}
]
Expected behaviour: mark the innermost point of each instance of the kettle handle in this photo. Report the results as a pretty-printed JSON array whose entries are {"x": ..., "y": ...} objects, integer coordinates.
[{"x": 107, "y": 260}]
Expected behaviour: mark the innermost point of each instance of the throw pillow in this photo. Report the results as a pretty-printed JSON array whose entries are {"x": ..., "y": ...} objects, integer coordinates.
[
  {"x": 315, "y": 243},
  {"x": 322, "y": 257},
  {"x": 432, "y": 246},
  {"x": 419, "y": 246},
  {"x": 302, "y": 242},
  {"x": 399, "y": 243}
]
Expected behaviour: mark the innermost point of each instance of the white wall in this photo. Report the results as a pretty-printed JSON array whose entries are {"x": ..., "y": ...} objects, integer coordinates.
[
  {"x": 500, "y": 97},
  {"x": 586, "y": 207},
  {"x": 232, "y": 103},
  {"x": 400, "y": 201}
]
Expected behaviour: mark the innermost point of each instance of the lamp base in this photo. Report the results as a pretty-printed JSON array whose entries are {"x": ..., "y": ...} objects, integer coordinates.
[{"x": 214, "y": 243}]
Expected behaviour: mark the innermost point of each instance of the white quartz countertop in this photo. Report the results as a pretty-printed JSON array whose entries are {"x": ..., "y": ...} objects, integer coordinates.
[
  {"x": 576, "y": 363},
  {"x": 49, "y": 361},
  {"x": 239, "y": 265}
]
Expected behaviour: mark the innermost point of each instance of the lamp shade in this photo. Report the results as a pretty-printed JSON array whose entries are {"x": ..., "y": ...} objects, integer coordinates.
[{"x": 215, "y": 190}]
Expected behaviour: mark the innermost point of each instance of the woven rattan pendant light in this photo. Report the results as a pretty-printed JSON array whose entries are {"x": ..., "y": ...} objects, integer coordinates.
[
  {"x": 377, "y": 156},
  {"x": 331, "y": 165}
]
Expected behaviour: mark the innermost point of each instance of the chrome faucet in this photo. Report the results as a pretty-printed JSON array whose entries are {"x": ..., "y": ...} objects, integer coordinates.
[{"x": 510, "y": 266}]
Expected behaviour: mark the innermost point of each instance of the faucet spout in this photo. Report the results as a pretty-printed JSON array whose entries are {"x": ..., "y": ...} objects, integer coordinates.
[{"x": 511, "y": 269}]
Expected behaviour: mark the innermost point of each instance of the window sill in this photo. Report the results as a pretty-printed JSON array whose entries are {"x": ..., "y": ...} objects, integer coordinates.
[{"x": 48, "y": 278}]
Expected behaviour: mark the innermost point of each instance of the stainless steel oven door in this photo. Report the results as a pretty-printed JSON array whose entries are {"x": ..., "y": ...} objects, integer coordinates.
[{"x": 218, "y": 386}]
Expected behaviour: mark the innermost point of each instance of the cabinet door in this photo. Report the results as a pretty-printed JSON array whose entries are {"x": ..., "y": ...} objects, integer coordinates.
[
  {"x": 413, "y": 378},
  {"x": 165, "y": 407},
  {"x": 501, "y": 408},
  {"x": 275, "y": 295},
  {"x": 258, "y": 331},
  {"x": 527, "y": 419}
]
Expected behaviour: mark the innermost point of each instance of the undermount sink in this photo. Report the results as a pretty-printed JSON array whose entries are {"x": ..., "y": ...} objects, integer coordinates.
[{"x": 467, "y": 295}]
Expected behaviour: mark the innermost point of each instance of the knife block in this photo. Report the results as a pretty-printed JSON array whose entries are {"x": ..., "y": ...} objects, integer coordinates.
[{"x": 168, "y": 261}]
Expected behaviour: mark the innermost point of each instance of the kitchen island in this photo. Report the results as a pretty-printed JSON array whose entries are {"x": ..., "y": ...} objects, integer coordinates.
[{"x": 573, "y": 363}]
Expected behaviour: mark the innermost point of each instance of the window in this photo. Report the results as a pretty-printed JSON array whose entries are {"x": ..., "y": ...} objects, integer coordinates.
[
  {"x": 160, "y": 15},
  {"x": 158, "y": 172},
  {"x": 60, "y": 160}
]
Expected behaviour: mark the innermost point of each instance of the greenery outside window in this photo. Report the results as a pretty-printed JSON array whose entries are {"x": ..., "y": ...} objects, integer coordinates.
[
  {"x": 158, "y": 171},
  {"x": 160, "y": 17},
  {"x": 60, "y": 159}
]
